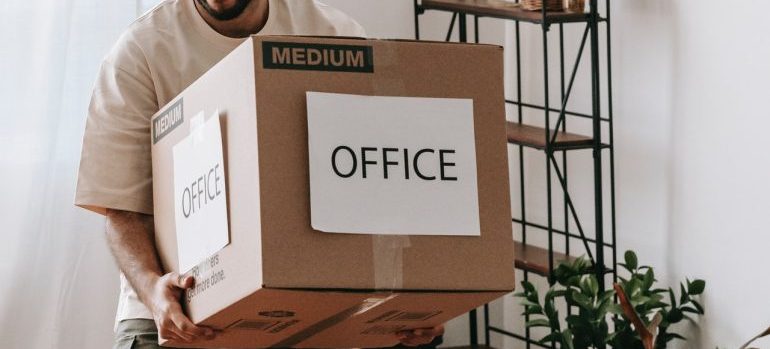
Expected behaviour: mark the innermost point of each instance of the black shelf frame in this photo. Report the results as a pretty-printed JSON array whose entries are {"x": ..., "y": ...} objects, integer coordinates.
[{"x": 590, "y": 37}]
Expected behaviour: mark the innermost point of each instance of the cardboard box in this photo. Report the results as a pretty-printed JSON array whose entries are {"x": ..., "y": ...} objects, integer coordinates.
[{"x": 277, "y": 282}]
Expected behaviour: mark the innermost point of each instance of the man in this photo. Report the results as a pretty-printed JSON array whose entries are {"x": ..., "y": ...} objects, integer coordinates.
[{"x": 159, "y": 55}]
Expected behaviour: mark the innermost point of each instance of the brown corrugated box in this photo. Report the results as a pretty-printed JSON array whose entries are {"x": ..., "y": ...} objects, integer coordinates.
[{"x": 281, "y": 283}]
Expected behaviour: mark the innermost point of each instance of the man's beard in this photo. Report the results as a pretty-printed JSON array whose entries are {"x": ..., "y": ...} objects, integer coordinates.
[{"x": 228, "y": 14}]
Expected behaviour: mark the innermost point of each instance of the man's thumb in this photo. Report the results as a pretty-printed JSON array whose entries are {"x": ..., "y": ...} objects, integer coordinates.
[
  {"x": 182, "y": 281},
  {"x": 187, "y": 282}
]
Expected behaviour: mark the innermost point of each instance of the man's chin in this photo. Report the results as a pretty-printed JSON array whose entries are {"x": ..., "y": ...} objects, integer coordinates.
[{"x": 222, "y": 13}]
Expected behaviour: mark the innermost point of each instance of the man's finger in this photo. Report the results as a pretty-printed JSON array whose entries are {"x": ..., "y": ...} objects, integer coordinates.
[
  {"x": 420, "y": 336},
  {"x": 183, "y": 323},
  {"x": 170, "y": 329},
  {"x": 429, "y": 332},
  {"x": 169, "y": 336},
  {"x": 405, "y": 334},
  {"x": 421, "y": 332},
  {"x": 184, "y": 337}
]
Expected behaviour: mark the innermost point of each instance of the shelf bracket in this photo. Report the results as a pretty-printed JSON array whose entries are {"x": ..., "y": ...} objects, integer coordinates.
[{"x": 568, "y": 198}]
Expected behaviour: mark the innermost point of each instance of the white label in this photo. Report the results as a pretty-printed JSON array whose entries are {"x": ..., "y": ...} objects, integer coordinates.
[
  {"x": 200, "y": 197},
  {"x": 392, "y": 165}
]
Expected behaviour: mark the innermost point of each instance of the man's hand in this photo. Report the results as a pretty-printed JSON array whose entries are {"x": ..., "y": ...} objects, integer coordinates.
[
  {"x": 172, "y": 323},
  {"x": 420, "y": 336},
  {"x": 131, "y": 237}
]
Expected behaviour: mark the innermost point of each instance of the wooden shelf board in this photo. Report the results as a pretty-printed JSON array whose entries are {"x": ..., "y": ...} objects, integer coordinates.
[
  {"x": 535, "y": 259},
  {"x": 532, "y": 136},
  {"x": 503, "y": 9}
]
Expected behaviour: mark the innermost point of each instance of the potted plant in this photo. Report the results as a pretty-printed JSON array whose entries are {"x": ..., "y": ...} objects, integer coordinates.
[{"x": 642, "y": 317}]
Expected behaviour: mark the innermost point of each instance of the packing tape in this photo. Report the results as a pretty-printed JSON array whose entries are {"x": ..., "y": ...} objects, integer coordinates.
[
  {"x": 388, "y": 250},
  {"x": 330, "y": 321},
  {"x": 388, "y": 256},
  {"x": 196, "y": 126}
]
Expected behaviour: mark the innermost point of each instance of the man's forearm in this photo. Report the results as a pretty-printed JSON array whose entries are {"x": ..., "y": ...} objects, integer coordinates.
[{"x": 131, "y": 237}]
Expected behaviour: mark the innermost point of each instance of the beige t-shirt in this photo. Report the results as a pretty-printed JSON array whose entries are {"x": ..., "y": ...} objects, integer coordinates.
[{"x": 159, "y": 55}]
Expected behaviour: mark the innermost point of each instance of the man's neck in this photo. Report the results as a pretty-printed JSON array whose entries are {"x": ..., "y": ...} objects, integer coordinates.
[{"x": 249, "y": 22}]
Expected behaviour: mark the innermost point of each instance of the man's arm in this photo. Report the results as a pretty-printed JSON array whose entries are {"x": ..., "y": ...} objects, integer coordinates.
[{"x": 131, "y": 237}]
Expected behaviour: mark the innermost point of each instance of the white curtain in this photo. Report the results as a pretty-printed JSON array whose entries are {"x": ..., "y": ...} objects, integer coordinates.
[{"x": 59, "y": 283}]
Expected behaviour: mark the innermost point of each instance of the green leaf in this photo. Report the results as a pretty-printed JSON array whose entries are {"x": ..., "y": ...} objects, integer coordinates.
[
  {"x": 632, "y": 287},
  {"x": 603, "y": 309},
  {"x": 550, "y": 295},
  {"x": 684, "y": 295},
  {"x": 567, "y": 339},
  {"x": 552, "y": 337},
  {"x": 550, "y": 310},
  {"x": 528, "y": 287},
  {"x": 606, "y": 295},
  {"x": 639, "y": 299},
  {"x": 574, "y": 320},
  {"x": 675, "y": 315},
  {"x": 687, "y": 309},
  {"x": 554, "y": 321},
  {"x": 696, "y": 287},
  {"x": 672, "y": 298},
  {"x": 631, "y": 261},
  {"x": 533, "y": 311},
  {"x": 558, "y": 293},
  {"x": 528, "y": 303},
  {"x": 625, "y": 266},
  {"x": 538, "y": 323},
  {"x": 649, "y": 278},
  {"x": 615, "y": 309},
  {"x": 670, "y": 336},
  {"x": 582, "y": 300},
  {"x": 698, "y": 306},
  {"x": 593, "y": 284}
]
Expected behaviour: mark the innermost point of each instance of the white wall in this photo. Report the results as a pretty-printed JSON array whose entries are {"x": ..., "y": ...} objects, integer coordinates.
[
  {"x": 691, "y": 77},
  {"x": 719, "y": 193}
]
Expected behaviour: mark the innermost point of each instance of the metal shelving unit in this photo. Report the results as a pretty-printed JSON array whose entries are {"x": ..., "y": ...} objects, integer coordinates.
[{"x": 553, "y": 140}]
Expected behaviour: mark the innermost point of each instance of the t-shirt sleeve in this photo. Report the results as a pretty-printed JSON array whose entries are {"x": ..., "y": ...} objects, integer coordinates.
[
  {"x": 342, "y": 24},
  {"x": 356, "y": 30},
  {"x": 115, "y": 166}
]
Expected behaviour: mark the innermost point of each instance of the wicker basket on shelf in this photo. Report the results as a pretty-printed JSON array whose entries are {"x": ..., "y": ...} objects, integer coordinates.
[{"x": 537, "y": 5}]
